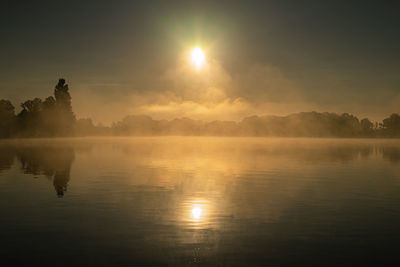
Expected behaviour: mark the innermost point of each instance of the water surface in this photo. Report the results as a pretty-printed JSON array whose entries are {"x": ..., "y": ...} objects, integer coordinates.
[{"x": 198, "y": 200}]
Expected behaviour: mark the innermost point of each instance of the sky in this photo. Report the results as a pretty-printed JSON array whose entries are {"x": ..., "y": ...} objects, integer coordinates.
[{"x": 262, "y": 57}]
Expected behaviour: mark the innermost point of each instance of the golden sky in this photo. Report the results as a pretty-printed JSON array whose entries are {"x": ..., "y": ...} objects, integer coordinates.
[{"x": 261, "y": 57}]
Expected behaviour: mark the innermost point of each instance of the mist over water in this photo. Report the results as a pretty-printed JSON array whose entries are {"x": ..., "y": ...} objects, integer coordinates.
[
  {"x": 212, "y": 133},
  {"x": 211, "y": 201}
]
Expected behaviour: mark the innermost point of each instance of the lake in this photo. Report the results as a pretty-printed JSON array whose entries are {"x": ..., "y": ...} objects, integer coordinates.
[{"x": 183, "y": 201}]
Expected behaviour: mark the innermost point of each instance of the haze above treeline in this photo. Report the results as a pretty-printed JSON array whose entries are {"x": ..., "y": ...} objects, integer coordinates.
[{"x": 54, "y": 117}]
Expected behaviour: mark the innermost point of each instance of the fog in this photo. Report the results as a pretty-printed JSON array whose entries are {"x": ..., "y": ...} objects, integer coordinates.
[
  {"x": 211, "y": 93},
  {"x": 215, "y": 93},
  {"x": 54, "y": 117}
]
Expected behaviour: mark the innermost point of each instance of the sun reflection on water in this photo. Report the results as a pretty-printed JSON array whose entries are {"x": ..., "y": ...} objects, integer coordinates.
[{"x": 196, "y": 213}]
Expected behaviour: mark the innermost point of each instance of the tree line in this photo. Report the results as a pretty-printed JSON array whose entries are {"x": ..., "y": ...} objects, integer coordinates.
[
  {"x": 39, "y": 118},
  {"x": 54, "y": 117},
  {"x": 304, "y": 124}
]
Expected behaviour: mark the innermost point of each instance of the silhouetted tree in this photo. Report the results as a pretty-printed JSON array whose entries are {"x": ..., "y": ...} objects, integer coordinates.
[
  {"x": 7, "y": 118},
  {"x": 49, "y": 118},
  {"x": 63, "y": 98},
  {"x": 348, "y": 126},
  {"x": 367, "y": 127},
  {"x": 391, "y": 125},
  {"x": 54, "y": 117},
  {"x": 49, "y": 103},
  {"x": 29, "y": 119},
  {"x": 32, "y": 106},
  {"x": 65, "y": 116}
]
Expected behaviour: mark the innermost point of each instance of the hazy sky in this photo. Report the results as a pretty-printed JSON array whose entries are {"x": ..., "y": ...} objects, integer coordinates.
[{"x": 263, "y": 57}]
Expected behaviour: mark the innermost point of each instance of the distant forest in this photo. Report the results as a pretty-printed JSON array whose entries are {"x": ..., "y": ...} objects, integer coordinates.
[{"x": 54, "y": 117}]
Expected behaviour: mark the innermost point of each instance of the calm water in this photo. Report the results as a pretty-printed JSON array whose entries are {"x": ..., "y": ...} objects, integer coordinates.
[{"x": 211, "y": 201}]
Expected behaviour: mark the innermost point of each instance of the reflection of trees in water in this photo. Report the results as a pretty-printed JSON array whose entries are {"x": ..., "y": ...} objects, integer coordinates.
[
  {"x": 391, "y": 153},
  {"x": 7, "y": 155},
  {"x": 53, "y": 162},
  {"x": 316, "y": 153},
  {"x": 341, "y": 153},
  {"x": 303, "y": 150}
]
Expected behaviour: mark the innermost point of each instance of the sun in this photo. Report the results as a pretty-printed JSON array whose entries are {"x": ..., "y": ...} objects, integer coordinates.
[{"x": 198, "y": 57}]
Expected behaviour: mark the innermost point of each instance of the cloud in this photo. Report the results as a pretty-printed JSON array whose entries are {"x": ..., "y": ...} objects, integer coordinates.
[
  {"x": 226, "y": 109},
  {"x": 211, "y": 93}
]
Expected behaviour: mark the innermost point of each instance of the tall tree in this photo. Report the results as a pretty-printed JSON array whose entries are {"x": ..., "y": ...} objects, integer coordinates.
[
  {"x": 63, "y": 98},
  {"x": 65, "y": 116}
]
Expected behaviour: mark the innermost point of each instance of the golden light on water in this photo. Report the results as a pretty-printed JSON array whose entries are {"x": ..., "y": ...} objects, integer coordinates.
[
  {"x": 196, "y": 212},
  {"x": 198, "y": 57}
]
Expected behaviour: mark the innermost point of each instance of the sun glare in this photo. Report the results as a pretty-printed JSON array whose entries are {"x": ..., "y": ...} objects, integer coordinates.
[
  {"x": 198, "y": 57},
  {"x": 196, "y": 212}
]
